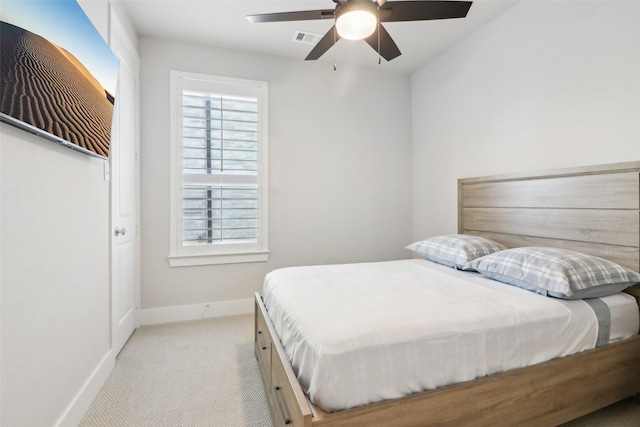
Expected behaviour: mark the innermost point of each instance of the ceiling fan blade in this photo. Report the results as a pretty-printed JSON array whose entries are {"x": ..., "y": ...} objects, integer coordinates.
[
  {"x": 325, "y": 43},
  {"x": 388, "y": 48},
  {"x": 422, "y": 10},
  {"x": 303, "y": 15}
]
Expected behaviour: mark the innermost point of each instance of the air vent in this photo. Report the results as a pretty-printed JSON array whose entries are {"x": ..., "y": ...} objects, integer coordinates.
[{"x": 305, "y": 37}]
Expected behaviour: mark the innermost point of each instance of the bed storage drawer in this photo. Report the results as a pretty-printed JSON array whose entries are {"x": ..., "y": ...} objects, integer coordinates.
[
  {"x": 264, "y": 344},
  {"x": 288, "y": 403},
  {"x": 286, "y": 410}
]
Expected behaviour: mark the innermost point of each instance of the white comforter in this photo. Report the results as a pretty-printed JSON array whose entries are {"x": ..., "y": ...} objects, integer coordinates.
[{"x": 362, "y": 333}]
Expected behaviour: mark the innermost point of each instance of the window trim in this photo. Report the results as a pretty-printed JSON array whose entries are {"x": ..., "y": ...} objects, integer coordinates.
[{"x": 223, "y": 253}]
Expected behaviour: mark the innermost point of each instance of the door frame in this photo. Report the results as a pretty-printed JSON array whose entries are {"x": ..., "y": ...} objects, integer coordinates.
[{"x": 126, "y": 52}]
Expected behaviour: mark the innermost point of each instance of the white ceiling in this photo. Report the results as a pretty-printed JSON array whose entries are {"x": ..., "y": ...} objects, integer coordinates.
[{"x": 222, "y": 23}]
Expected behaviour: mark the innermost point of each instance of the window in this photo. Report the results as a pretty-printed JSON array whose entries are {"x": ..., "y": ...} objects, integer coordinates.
[{"x": 218, "y": 170}]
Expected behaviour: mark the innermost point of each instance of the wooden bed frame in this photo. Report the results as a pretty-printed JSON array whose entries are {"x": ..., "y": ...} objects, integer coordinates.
[{"x": 595, "y": 210}]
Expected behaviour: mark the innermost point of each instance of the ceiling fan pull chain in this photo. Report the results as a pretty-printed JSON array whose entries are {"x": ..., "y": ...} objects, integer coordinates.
[
  {"x": 335, "y": 66},
  {"x": 379, "y": 56}
]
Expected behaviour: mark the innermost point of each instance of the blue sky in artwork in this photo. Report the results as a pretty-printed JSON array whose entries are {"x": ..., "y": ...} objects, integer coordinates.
[{"x": 64, "y": 23}]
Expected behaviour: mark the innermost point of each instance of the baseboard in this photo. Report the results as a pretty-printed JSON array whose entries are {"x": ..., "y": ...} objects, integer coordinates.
[
  {"x": 179, "y": 313},
  {"x": 82, "y": 401}
]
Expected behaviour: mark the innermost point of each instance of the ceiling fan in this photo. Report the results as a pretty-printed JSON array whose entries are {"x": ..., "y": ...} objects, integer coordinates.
[{"x": 361, "y": 19}]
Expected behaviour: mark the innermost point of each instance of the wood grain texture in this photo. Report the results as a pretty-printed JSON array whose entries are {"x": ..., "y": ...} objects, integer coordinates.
[
  {"x": 602, "y": 191},
  {"x": 288, "y": 402},
  {"x": 263, "y": 344},
  {"x": 615, "y": 227}
]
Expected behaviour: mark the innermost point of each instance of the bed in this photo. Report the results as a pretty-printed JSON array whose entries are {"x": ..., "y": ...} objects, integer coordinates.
[{"x": 594, "y": 210}]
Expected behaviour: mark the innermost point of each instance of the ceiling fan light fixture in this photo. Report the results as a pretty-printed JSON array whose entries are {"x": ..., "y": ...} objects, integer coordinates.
[
  {"x": 373, "y": 13},
  {"x": 356, "y": 21}
]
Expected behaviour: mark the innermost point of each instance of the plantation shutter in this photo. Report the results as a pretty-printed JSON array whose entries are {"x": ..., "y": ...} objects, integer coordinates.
[{"x": 220, "y": 155}]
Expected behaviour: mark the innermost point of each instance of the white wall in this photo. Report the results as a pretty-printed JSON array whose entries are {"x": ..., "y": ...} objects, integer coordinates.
[
  {"x": 55, "y": 309},
  {"x": 55, "y": 276},
  {"x": 339, "y": 169},
  {"x": 546, "y": 85}
]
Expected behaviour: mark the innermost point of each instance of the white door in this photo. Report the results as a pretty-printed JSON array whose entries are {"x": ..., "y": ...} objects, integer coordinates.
[{"x": 124, "y": 194}]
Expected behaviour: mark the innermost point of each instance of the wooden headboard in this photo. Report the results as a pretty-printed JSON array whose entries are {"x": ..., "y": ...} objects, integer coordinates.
[{"x": 592, "y": 209}]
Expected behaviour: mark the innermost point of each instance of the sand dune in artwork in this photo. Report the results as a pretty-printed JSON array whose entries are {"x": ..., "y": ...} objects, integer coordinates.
[{"x": 45, "y": 86}]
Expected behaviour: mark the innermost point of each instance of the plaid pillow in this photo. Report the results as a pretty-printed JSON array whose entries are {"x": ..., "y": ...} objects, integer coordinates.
[
  {"x": 455, "y": 250},
  {"x": 556, "y": 272}
]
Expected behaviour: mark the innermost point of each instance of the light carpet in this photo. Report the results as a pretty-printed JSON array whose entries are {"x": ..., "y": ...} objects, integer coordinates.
[
  {"x": 196, "y": 373},
  {"x": 204, "y": 373}
]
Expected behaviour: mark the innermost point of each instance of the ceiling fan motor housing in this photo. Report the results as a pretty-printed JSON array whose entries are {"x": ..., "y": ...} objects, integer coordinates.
[{"x": 356, "y": 19}]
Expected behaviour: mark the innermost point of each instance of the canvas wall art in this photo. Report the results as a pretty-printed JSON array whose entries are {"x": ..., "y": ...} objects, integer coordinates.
[{"x": 57, "y": 75}]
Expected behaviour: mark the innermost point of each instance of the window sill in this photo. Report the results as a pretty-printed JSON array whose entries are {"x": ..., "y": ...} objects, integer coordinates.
[{"x": 193, "y": 260}]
